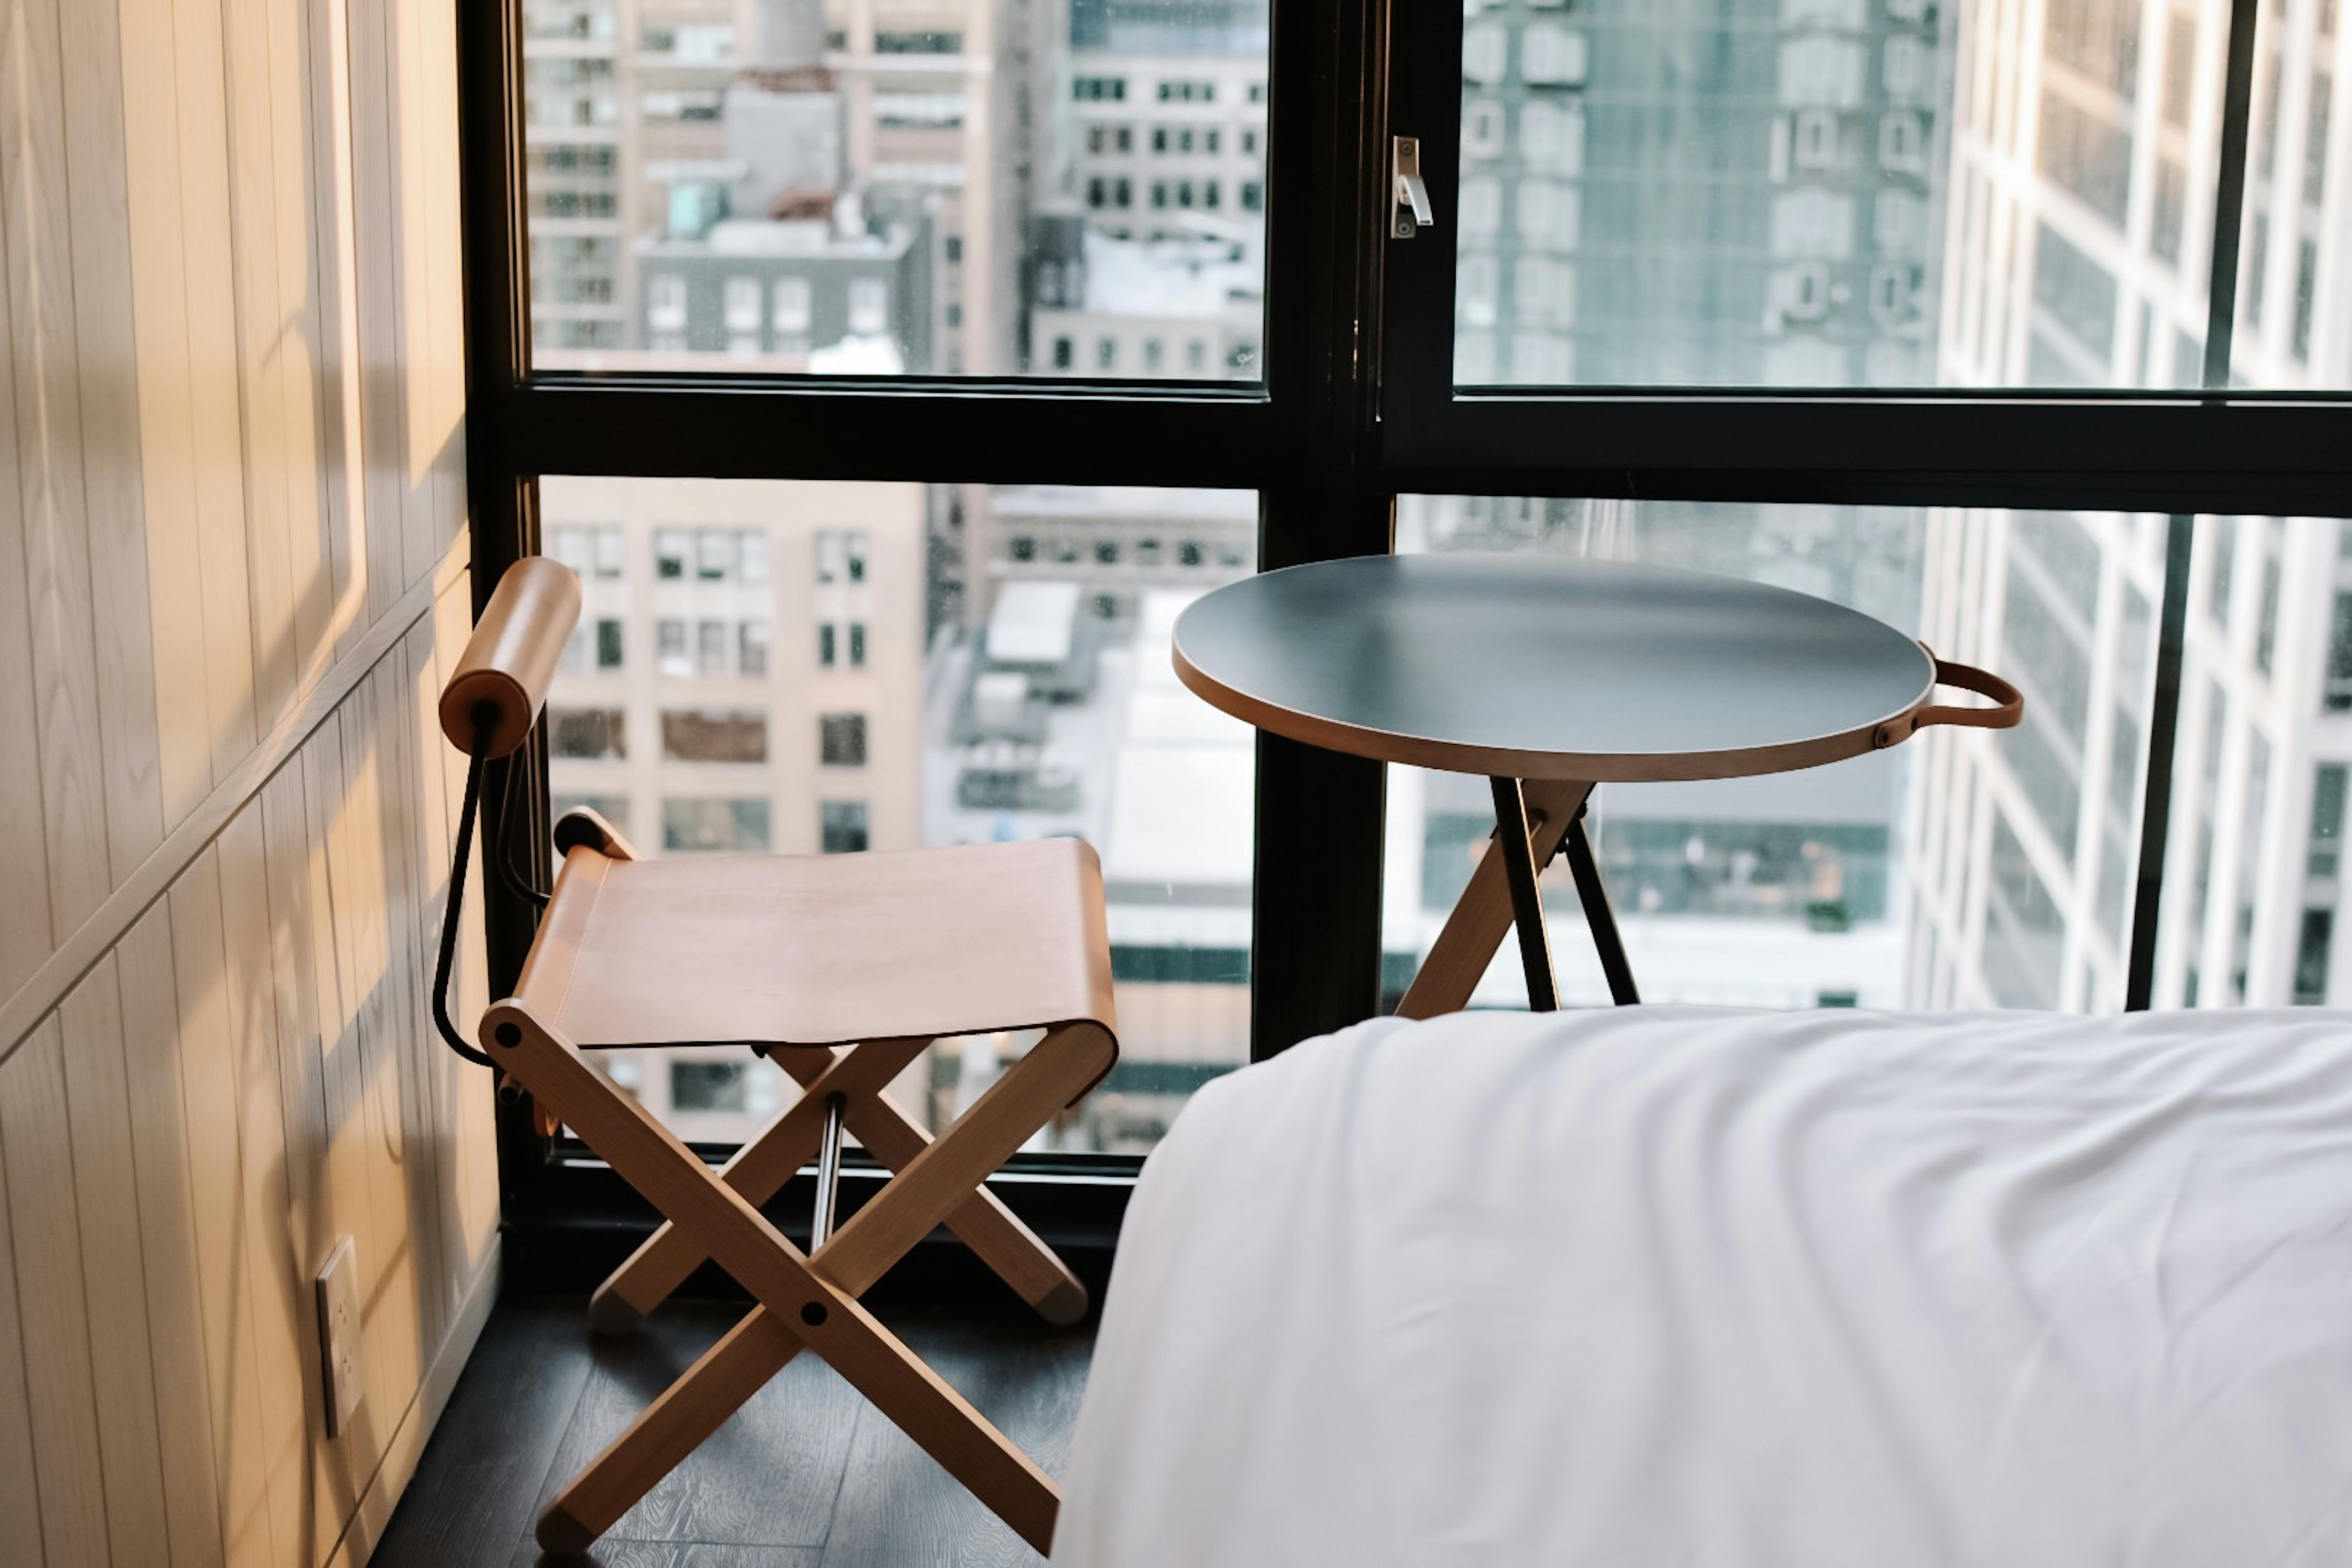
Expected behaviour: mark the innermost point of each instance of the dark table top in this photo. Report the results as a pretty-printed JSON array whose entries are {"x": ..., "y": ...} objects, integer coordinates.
[{"x": 1544, "y": 667}]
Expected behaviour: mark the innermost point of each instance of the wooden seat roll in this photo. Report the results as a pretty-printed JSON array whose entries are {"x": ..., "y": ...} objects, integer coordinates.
[{"x": 512, "y": 655}]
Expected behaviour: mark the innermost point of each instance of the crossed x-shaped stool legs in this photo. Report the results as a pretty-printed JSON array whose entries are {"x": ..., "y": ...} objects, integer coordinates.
[{"x": 804, "y": 1300}]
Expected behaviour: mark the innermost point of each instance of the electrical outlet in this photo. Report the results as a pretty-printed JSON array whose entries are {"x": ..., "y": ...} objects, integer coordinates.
[{"x": 338, "y": 1336}]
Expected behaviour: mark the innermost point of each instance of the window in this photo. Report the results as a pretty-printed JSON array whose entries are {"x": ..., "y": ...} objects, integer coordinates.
[
  {"x": 842, "y": 827},
  {"x": 714, "y": 735},
  {"x": 743, "y": 305},
  {"x": 684, "y": 212},
  {"x": 608, "y": 644},
  {"x": 841, "y": 739},
  {"x": 670, "y": 655},
  {"x": 752, "y": 648},
  {"x": 714, "y": 555},
  {"x": 664, "y": 302},
  {"x": 670, "y": 552},
  {"x": 1777, "y": 274},
  {"x": 824, "y": 645},
  {"x": 587, "y": 734},
  {"x": 701, "y": 1086},
  {"x": 691, "y": 827},
  {"x": 793, "y": 308},
  {"x": 711, "y": 647},
  {"x": 2339, "y": 658},
  {"x": 869, "y": 305}
]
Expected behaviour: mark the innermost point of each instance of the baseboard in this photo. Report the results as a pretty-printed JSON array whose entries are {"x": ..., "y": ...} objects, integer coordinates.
[{"x": 374, "y": 1512}]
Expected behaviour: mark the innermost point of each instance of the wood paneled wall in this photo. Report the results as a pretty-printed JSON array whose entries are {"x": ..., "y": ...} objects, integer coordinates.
[{"x": 232, "y": 569}]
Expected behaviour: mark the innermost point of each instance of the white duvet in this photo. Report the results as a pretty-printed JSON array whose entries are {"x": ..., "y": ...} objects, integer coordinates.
[{"x": 1704, "y": 1289}]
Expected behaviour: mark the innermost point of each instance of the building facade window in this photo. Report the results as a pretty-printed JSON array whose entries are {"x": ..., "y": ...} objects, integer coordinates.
[
  {"x": 587, "y": 733},
  {"x": 733, "y": 827},
  {"x": 714, "y": 735},
  {"x": 841, "y": 826},
  {"x": 841, "y": 739}
]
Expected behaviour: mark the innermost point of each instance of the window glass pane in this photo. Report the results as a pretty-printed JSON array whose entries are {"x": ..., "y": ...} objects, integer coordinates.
[
  {"x": 2294, "y": 312},
  {"x": 1877, "y": 881},
  {"x": 790, "y": 187},
  {"x": 894, "y": 675},
  {"x": 1961, "y": 868},
  {"x": 1844, "y": 193}
]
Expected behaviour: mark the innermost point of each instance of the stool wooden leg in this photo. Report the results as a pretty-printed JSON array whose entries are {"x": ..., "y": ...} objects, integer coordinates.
[
  {"x": 759, "y": 1170},
  {"x": 982, "y": 1221},
  {"x": 761, "y": 1167},
  {"x": 1482, "y": 916},
  {"x": 812, "y": 1302}
]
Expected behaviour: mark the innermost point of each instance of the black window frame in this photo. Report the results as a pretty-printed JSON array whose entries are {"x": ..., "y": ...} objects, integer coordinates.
[{"x": 1357, "y": 405}]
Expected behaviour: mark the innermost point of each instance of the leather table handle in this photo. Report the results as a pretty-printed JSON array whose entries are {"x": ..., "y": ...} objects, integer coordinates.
[{"x": 2009, "y": 703}]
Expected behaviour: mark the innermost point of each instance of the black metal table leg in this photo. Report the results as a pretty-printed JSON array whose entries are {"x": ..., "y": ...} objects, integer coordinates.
[
  {"x": 1512, "y": 838},
  {"x": 1594, "y": 894}
]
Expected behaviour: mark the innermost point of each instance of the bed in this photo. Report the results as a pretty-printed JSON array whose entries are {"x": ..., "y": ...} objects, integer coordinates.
[{"x": 1716, "y": 1288}]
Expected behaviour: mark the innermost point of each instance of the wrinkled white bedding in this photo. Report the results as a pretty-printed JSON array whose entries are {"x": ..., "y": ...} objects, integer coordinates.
[{"x": 1721, "y": 1289}]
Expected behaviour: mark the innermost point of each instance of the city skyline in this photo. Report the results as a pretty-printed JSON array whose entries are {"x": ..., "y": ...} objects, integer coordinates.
[{"x": 1865, "y": 193}]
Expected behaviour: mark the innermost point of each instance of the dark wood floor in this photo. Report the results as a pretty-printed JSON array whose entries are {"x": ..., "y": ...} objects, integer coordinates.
[{"x": 807, "y": 1475}]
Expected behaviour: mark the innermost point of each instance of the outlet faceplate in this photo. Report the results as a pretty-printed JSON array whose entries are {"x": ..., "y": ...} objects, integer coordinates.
[{"x": 338, "y": 1336}]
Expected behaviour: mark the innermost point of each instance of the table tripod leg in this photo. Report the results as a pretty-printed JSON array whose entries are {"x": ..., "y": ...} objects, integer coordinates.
[
  {"x": 1594, "y": 894},
  {"x": 1513, "y": 843}
]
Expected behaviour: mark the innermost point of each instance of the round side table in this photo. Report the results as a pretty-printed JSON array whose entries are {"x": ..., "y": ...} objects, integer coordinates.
[{"x": 1550, "y": 674}]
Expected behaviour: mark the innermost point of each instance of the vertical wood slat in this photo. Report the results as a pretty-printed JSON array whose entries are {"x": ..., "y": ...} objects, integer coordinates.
[
  {"x": 378, "y": 201},
  {"x": 413, "y": 95},
  {"x": 408, "y": 74},
  {"x": 98, "y": 202},
  {"x": 476, "y": 1129},
  {"x": 26, "y": 938},
  {"x": 445, "y": 365},
  {"x": 38, "y": 238},
  {"x": 209, "y": 1086},
  {"x": 114, "y": 1275},
  {"x": 335, "y": 285},
  {"x": 20, "y": 1490},
  {"x": 222, "y": 570},
  {"x": 446, "y": 1085},
  {"x": 280, "y": 1291},
  {"x": 261, "y": 332},
  {"x": 59, "y": 1393},
  {"x": 167, "y": 433},
  {"x": 411, "y": 1032},
  {"x": 308, "y": 552},
  {"x": 336, "y": 1469},
  {"x": 342, "y": 1078},
  {"x": 364, "y": 939},
  {"x": 167, "y": 1235}
]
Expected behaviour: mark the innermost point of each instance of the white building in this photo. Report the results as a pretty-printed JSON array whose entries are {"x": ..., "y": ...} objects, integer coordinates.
[
  {"x": 747, "y": 675},
  {"x": 2078, "y": 253},
  {"x": 1153, "y": 138},
  {"x": 573, "y": 153}
]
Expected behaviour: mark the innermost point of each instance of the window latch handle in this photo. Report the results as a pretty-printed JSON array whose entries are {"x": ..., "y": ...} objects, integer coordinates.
[{"x": 1411, "y": 214}]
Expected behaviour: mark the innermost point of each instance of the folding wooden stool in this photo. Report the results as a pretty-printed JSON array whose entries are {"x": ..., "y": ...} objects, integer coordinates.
[{"x": 843, "y": 968}]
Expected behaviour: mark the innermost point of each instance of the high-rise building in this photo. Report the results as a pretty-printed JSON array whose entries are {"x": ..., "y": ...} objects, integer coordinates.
[
  {"x": 574, "y": 150},
  {"x": 1149, "y": 262},
  {"x": 698, "y": 117},
  {"x": 1648, "y": 197},
  {"x": 747, "y": 675},
  {"x": 2079, "y": 255},
  {"x": 1057, "y": 710}
]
